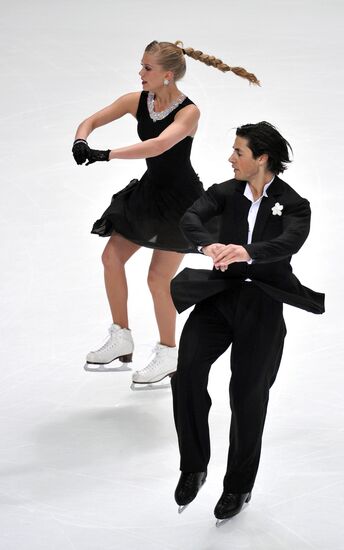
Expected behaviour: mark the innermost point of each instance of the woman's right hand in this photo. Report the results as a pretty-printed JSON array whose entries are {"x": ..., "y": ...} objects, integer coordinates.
[{"x": 80, "y": 151}]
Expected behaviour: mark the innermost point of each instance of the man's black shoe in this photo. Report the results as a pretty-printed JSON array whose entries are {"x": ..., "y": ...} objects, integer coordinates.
[
  {"x": 230, "y": 504},
  {"x": 188, "y": 486}
]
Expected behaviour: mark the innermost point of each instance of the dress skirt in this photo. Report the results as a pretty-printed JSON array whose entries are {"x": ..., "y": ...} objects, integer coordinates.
[{"x": 148, "y": 213}]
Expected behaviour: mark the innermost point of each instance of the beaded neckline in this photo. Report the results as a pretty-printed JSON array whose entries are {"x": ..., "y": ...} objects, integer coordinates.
[{"x": 163, "y": 114}]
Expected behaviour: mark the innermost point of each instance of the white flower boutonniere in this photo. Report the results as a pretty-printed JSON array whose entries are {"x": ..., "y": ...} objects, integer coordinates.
[{"x": 277, "y": 209}]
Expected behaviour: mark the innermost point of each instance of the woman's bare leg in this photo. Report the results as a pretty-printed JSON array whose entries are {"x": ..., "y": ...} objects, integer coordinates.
[
  {"x": 162, "y": 269},
  {"x": 116, "y": 253}
]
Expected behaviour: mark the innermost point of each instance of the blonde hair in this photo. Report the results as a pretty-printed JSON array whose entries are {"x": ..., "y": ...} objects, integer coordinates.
[{"x": 171, "y": 57}]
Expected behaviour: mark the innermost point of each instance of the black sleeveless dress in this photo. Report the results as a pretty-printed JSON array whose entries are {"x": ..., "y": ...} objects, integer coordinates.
[{"x": 148, "y": 211}]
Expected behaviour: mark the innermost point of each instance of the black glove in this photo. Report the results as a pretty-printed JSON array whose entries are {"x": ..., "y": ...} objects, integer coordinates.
[
  {"x": 80, "y": 151},
  {"x": 94, "y": 155}
]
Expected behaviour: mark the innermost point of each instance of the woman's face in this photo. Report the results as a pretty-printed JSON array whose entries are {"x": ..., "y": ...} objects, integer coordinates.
[{"x": 152, "y": 74}]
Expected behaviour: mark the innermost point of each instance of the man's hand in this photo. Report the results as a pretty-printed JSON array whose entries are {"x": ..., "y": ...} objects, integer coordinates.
[
  {"x": 229, "y": 254},
  {"x": 212, "y": 250}
]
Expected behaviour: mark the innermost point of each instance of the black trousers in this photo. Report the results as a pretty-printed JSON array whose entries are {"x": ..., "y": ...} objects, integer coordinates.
[{"x": 253, "y": 323}]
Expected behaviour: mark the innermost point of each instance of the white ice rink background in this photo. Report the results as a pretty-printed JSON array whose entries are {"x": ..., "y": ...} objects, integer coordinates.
[{"x": 85, "y": 463}]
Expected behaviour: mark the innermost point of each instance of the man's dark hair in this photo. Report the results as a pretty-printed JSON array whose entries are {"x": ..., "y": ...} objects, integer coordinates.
[{"x": 263, "y": 138}]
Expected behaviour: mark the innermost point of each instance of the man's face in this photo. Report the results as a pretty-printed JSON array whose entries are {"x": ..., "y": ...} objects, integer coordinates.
[{"x": 244, "y": 165}]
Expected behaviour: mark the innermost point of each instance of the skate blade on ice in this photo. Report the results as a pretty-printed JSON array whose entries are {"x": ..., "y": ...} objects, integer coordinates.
[
  {"x": 157, "y": 385},
  {"x": 92, "y": 367},
  {"x": 220, "y": 522},
  {"x": 136, "y": 386},
  {"x": 182, "y": 508}
]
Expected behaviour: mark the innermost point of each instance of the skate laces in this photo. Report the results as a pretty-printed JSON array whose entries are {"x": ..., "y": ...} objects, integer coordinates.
[
  {"x": 154, "y": 359},
  {"x": 109, "y": 340},
  {"x": 227, "y": 498},
  {"x": 189, "y": 480}
]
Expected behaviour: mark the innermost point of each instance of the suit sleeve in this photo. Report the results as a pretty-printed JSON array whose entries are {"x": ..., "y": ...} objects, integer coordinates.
[
  {"x": 296, "y": 225},
  {"x": 209, "y": 205}
]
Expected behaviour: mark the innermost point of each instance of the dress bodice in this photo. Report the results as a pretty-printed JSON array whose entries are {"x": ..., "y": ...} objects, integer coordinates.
[{"x": 177, "y": 158}]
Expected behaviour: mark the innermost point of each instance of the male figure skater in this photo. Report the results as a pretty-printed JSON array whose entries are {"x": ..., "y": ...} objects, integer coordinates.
[{"x": 263, "y": 222}]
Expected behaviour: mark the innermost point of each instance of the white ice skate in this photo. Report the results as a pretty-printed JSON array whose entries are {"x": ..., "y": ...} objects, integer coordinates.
[
  {"x": 162, "y": 364},
  {"x": 119, "y": 345}
]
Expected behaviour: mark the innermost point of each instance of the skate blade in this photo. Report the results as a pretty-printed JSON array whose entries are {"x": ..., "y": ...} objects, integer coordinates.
[
  {"x": 182, "y": 508},
  {"x": 135, "y": 386},
  {"x": 89, "y": 367},
  {"x": 220, "y": 522}
]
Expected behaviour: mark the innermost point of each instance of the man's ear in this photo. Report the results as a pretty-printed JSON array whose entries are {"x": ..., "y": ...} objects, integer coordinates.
[{"x": 263, "y": 159}]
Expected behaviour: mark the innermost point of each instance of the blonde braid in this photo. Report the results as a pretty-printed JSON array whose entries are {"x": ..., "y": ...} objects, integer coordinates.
[{"x": 213, "y": 61}]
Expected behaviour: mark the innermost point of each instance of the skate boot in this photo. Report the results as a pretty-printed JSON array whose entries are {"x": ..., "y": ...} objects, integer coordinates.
[
  {"x": 119, "y": 345},
  {"x": 229, "y": 505},
  {"x": 187, "y": 489},
  {"x": 162, "y": 364}
]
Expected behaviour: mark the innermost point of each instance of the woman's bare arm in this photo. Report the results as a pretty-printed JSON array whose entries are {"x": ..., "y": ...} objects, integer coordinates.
[
  {"x": 185, "y": 124},
  {"x": 126, "y": 104}
]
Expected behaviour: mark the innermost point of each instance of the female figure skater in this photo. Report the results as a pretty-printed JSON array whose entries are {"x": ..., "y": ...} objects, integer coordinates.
[{"x": 147, "y": 212}]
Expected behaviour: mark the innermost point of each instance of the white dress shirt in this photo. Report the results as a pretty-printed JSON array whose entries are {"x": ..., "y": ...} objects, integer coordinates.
[{"x": 253, "y": 211}]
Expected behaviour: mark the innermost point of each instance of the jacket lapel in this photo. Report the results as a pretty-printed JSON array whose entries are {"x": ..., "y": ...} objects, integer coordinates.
[
  {"x": 264, "y": 212},
  {"x": 242, "y": 207}
]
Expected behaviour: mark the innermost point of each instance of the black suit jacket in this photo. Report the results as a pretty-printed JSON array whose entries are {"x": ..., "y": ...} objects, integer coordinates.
[{"x": 275, "y": 239}]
